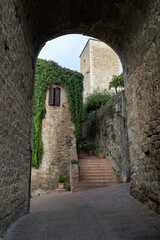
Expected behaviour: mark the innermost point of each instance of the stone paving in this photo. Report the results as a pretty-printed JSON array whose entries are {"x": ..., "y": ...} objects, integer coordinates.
[{"x": 99, "y": 214}]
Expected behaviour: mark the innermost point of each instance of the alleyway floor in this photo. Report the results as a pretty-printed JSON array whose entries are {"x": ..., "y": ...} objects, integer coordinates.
[{"x": 99, "y": 214}]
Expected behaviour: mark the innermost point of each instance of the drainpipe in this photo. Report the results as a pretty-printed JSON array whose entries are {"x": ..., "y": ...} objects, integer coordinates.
[
  {"x": 119, "y": 115},
  {"x": 29, "y": 187},
  {"x": 124, "y": 120}
]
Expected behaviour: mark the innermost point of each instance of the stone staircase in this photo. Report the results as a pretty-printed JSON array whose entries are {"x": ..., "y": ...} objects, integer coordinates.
[{"x": 95, "y": 173}]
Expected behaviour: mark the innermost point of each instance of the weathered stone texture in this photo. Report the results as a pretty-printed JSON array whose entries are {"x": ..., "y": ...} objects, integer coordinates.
[
  {"x": 132, "y": 29},
  {"x": 85, "y": 62},
  {"x": 58, "y": 139},
  {"x": 143, "y": 128},
  {"x": 74, "y": 176},
  {"x": 98, "y": 64},
  {"x": 16, "y": 103},
  {"x": 110, "y": 133}
]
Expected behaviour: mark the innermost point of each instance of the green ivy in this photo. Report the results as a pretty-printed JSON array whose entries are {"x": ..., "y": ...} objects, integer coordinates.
[
  {"x": 117, "y": 82},
  {"x": 48, "y": 73}
]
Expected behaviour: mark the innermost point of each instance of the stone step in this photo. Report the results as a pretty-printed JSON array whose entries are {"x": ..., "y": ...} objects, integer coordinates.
[
  {"x": 96, "y": 169},
  {"x": 93, "y": 159},
  {"x": 95, "y": 165},
  {"x": 96, "y": 178},
  {"x": 97, "y": 181},
  {"x": 94, "y": 162},
  {"x": 95, "y": 173},
  {"x": 92, "y": 174}
]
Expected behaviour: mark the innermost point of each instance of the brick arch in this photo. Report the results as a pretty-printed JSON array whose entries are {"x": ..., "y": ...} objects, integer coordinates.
[{"x": 131, "y": 28}]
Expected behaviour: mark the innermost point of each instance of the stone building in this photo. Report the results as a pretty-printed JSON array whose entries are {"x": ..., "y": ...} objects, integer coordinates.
[
  {"x": 98, "y": 63},
  {"x": 132, "y": 29},
  {"x": 58, "y": 138}
]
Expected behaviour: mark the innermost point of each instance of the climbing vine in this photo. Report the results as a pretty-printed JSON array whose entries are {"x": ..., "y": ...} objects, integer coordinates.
[{"x": 48, "y": 73}]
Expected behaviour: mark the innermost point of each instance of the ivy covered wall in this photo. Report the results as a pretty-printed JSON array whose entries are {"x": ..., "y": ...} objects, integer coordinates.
[{"x": 48, "y": 73}]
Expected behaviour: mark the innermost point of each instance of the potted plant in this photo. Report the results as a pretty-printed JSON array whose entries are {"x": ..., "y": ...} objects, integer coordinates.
[
  {"x": 81, "y": 147},
  {"x": 99, "y": 153},
  {"x": 61, "y": 181},
  {"x": 74, "y": 161},
  {"x": 67, "y": 186},
  {"x": 90, "y": 148}
]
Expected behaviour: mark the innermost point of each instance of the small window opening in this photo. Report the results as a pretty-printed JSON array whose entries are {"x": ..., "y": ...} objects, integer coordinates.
[{"x": 54, "y": 96}]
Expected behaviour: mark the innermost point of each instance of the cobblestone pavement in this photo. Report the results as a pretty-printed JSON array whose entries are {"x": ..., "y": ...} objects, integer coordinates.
[{"x": 99, "y": 214}]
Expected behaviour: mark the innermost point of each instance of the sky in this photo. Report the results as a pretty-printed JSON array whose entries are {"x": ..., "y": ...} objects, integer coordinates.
[{"x": 65, "y": 50}]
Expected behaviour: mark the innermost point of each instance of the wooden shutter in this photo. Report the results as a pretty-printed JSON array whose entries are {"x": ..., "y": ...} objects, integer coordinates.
[
  {"x": 57, "y": 96},
  {"x": 51, "y": 96}
]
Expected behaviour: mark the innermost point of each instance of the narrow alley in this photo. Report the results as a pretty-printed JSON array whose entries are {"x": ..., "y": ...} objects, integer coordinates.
[{"x": 99, "y": 214}]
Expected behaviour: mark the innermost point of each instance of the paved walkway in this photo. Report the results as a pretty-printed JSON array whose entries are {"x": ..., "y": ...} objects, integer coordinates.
[{"x": 100, "y": 214}]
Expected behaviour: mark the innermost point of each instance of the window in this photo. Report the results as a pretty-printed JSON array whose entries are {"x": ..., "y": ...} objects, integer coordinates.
[{"x": 54, "y": 96}]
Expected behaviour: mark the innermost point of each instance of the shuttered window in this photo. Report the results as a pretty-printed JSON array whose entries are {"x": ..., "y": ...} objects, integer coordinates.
[
  {"x": 57, "y": 96},
  {"x": 51, "y": 96},
  {"x": 54, "y": 96}
]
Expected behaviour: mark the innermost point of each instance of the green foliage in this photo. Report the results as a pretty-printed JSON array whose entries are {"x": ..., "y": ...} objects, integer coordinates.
[
  {"x": 95, "y": 100},
  {"x": 67, "y": 186},
  {"x": 98, "y": 150},
  {"x": 60, "y": 179},
  {"x": 47, "y": 73},
  {"x": 117, "y": 82},
  {"x": 74, "y": 161},
  {"x": 82, "y": 144},
  {"x": 92, "y": 116}
]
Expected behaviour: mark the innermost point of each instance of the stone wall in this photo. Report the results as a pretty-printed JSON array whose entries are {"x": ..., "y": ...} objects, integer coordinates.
[
  {"x": 85, "y": 62},
  {"x": 109, "y": 132},
  {"x": 16, "y": 108},
  {"x": 58, "y": 139},
  {"x": 143, "y": 101},
  {"x": 98, "y": 64}
]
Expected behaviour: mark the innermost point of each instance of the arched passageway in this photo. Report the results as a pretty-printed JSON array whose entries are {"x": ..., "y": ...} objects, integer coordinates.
[{"x": 131, "y": 28}]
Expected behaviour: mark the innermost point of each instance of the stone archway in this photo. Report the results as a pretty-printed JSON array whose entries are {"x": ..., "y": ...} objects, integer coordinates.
[{"x": 131, "y": 28}]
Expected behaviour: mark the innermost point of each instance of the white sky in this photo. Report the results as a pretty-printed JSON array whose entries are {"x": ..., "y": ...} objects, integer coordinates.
[{"x": 65, "y": 50}]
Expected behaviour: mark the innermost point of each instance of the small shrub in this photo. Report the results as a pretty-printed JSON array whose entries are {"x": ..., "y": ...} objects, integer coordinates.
[
  {"x": 117, "y": 82},
  {"x": 67, "y": 186},
  {"x": 60, "y": 179},
  {"x": 74, "y": 161},
  {"x": 98, "y": 150},
  {"x": 95, "y": 100},
  {"x": 82, "y": 144},
  {"x": 92, "y": 116}
]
